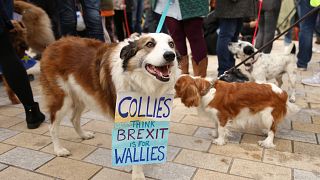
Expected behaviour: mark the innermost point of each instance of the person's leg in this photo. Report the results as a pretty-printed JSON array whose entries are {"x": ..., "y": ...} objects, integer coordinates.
[
  {"x": 68, "y": 18},
  {"x": 176, "y": 31},
  {"x": 137, "y": 16},
  {"x": 271, "y": 18},
  {"x": 108, "y": 24},
  {"x": 305, "y": 34},
  {"x": 118, "y": 23},
  {"x": 197, "y": 44},
  {"x": 129, "y": 19},
  {"x": 51, "y": 8},
  {"x": 229, "y": 31},
  {"x": 92, "y": 18},
  {"x": 17, "y": 78},
  {"x": 261, "y": 31}
]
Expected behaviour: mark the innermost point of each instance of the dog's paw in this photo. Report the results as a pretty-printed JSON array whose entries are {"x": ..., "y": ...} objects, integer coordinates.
[
  {"x": 266, "y": 144},
  {"x": 87, "y": 135},
  {"x": 218, "y": 141},
  {"x": 62, "y": 152},
  {"x": 138, "y": 176}
]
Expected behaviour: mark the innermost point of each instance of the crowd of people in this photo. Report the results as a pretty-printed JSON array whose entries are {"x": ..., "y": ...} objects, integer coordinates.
[{"x": 114, "y": 20}]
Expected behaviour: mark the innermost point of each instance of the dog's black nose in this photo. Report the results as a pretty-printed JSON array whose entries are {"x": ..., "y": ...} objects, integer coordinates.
[
  {"x": 230, "y": 43},
  {"x": 169, "y": 56}
]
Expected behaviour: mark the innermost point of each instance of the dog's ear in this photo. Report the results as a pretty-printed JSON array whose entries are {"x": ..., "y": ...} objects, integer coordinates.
[
  {"x": 187, "y": 91},
  {"x": 178, "y": 55},
  {"x": 202, "y": 85},
  {"x": 248, "y": 50},
  {"x": 128, "y": 52}
]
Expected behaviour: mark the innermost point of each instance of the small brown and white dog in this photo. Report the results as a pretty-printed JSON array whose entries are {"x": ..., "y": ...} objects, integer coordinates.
[
  {"x": 77, "y": 73},
  {"x": 39, "y": 33},
  {"x": 264, "y": 67},
  {"x": 236, "y": 104}
]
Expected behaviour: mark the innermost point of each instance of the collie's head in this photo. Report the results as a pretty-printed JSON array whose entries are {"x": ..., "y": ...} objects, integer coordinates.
[
  {"x": 151, "y": 61},
  {"x": 191, "y": 89}
]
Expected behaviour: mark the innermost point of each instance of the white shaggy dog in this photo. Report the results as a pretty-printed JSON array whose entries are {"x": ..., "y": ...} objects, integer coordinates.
[
  {"x": 264, "y": 67},
  {"x": 79, "y": 73}
]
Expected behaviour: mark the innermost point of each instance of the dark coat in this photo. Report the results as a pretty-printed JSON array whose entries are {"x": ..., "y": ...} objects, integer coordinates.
[
  {"x": 236, "y": 8},
  {"x": 270, "y": 5}
]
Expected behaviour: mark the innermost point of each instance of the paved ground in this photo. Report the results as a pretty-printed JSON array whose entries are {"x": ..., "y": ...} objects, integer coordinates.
[{"x": 27, "y": 154}]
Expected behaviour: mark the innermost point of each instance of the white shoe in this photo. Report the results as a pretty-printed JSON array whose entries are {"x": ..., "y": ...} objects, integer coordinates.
[
  {"x": 315, "y": 50},
  {"x": 312, "y": 81}
]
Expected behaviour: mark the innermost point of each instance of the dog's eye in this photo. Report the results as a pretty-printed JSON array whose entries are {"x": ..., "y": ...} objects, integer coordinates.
[
  {"x": 150, "y": 44},
  {"x": 171, "y": 44}
]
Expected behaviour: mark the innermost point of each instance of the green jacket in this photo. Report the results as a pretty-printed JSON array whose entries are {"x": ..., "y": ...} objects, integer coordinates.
[{"x": 187, "y": 8}]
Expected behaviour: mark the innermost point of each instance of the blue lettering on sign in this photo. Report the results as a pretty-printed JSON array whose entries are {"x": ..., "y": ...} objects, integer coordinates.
[
  {"x": 142, "y": 154},
  {"x": 123, "y": 115},
  {"x": 159, "y": 107}
]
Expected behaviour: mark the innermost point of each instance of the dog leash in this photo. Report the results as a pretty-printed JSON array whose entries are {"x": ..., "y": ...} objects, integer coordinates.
[
  {"x": 258, "y": 20},
  {"x": 316, "y": 9},
  {"x": 163, "y": 16}
]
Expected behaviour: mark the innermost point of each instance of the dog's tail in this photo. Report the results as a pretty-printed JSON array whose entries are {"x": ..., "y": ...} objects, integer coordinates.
[
  {"x": 291, "y": 49},
  {"x": 292, "y": 108},
  {"x": 38, "y": 25}
]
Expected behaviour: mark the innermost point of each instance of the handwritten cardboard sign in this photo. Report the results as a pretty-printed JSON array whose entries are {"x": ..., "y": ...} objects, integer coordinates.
[{"x": 141, "y": 130}]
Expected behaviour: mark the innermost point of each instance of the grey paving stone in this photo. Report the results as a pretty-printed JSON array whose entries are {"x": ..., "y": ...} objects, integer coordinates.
[
  {"x": 205, "y": 133},
  {"x": 102, "y": 157},
  {"x": 305, "y": 175},
  {"x": 172, "y": 153},
  {"x": 285, "y": 124},
  {"x": 6, "y": 133},
  {"x": 296, "y": 135},
  {"x": 95, "y": 116},
  {"x": 303, "y": 115},
  {"x": 2, "y": 166},
  {"x": 25, "y": 158},
  {"x": 169, "y": 170},
  {"x": 67, "y": 122},
  {"x": 189, "y": 142}
]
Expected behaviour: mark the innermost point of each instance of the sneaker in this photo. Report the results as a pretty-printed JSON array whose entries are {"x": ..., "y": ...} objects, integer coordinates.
[{"x": 312, "y": 81}]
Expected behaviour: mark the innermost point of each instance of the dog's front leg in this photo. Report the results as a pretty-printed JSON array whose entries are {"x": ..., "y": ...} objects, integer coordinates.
[
  {"x": 222, "y": 133},
  {"x": 137, "y": 172}
]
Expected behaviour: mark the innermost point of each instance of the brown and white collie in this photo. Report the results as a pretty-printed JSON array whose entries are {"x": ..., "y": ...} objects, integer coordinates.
[{"x": 79, "y": 73}]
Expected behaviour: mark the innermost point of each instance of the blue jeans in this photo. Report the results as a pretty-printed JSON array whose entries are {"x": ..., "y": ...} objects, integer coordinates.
[
  {"x": 137, "y": 16},
  {"x": 306, "y": 33},
  {"x": 229, "y": 32},
  {"x": 91, "y": 16}
]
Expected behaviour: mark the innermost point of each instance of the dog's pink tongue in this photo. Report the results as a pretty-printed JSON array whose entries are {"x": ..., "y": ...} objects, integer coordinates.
[{"x": 163, "y": 70}]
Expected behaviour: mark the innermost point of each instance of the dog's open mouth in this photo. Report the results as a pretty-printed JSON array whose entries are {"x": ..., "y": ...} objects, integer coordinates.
[{"x": 162, "y": 73}]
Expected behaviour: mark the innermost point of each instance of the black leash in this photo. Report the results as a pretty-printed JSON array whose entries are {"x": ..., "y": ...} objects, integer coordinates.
[{"x": 269, "y": 43}]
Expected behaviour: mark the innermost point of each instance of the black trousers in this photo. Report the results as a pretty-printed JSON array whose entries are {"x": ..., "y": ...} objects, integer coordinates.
[
  {"x": 119, "y": 23},
  {"x": 14, "y": 71}
]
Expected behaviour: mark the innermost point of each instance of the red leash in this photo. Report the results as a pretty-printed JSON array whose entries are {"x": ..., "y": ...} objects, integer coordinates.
[
  {"x": 126, "y": 19},
  {"x": 257, "y": 24}
]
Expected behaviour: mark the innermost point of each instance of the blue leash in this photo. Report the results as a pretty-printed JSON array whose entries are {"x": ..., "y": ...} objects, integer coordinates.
[{"x": 163, "y": 16}]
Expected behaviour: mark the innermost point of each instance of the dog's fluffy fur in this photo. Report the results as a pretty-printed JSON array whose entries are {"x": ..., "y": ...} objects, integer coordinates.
[
  {"x": 77, "y": 73},
  {"x": 38, "y": 25},
  {"x": 233, "y": 104},
  {"x": 264, "y": 67}
]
